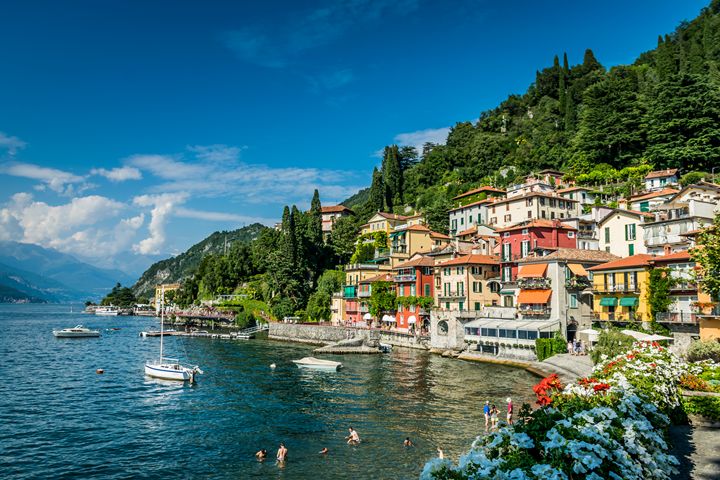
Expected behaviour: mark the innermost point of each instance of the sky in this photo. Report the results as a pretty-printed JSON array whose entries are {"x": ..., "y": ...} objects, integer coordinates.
[{"x": 131, "y": 130}]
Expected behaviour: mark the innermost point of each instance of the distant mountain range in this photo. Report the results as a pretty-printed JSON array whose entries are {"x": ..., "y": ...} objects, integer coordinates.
[
  {"x": 33, "y": 273},
  {"x": 178, "y": 268}
]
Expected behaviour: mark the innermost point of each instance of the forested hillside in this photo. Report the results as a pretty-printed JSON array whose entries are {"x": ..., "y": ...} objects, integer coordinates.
[
  {"x": 178, "y": 268},
  {"x": 662, "y": 111}
]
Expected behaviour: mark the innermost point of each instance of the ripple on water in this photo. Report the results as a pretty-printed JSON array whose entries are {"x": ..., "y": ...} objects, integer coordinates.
[{"x": 62, "y": 420}]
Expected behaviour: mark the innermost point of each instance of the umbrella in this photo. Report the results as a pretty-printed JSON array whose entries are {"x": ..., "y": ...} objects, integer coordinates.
[
  {"x": 655, "y": 338},
  {"x": 367, "y": 316},
  {"x": 637, "y": 335},
  {"x": 589, "y": 331},
  {"x": 412, "y": 319}
]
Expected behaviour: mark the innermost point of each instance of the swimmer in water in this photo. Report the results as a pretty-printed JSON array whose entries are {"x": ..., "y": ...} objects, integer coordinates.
[
  {"x": 261, "y": 454},
  {"x": 281, "y": 453},
  {"x": 353, "y": 438},
  {"x": 324, "y": 450},
  {"x": 408, "y": 442}
]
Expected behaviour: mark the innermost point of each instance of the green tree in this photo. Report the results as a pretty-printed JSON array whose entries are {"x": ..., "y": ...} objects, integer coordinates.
[
  {"x": 382, "y": 298},
  {"x": 658, "y": 296},
  {"x": 318, "y": 307},
  {"x": 707, "y": 255},
  {"x": 693, "y": 177},
  {"x": 342, "y": 239},
  {"x": 377, "y": 192}
]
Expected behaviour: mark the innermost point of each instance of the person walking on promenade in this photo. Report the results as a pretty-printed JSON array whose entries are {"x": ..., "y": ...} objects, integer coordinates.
[
  {"x": 509, "y": 411},
  {"x": 486, "y": 412}
]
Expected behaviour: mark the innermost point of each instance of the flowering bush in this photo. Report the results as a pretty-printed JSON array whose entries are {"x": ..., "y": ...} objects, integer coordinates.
[{"x": 610, "y": 425}]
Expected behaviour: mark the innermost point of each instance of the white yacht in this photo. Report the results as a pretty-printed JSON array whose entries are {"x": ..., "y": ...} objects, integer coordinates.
[
  {"x": 169, "y": 368},
  {"x": 317, "y": 364},
  {"x": 76, "y": 332},
  {"x": 107, "y": 311}
]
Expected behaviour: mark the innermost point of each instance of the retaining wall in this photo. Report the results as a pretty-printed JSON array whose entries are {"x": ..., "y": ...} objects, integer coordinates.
[{"x": 313, "y": 334}]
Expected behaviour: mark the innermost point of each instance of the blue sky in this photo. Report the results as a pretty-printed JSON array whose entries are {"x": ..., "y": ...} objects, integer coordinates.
[{"x": 129, "y": 126}]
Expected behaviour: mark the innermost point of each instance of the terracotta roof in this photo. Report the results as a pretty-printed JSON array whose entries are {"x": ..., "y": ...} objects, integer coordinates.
[
  {"x": 622, "y": 210},
  {"x": 421, "y": 261},
  {"x": 661, "y": 173},
  {"x": 573, "y": 189},
  {"x": 537, "y": 223},
  {"x": 335, "y": 209},
  {"x": 639, "y": 260},
  {"x": 534, "y": 296},
  {"x": 469, "y": 231},
  {"x": 485, "y": 188},
  {"x": 470, "y": 205},
  {"x": 415, "y": 228},
  {"x": 471, "y": 259},
  {"x": 659, "y": 193},
  {"x": 392, "y": 216},
  {"x": 577, "y": 255},
  {"x": 683, "y": 256},
  {"x": 439, "y": 235},
  {"x": 386, "y": 277}
]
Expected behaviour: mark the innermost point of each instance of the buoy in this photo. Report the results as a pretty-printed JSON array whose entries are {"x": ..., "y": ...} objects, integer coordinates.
[
  {"x": 99, "y": 371},
  {"x": 272, "y": 365}
]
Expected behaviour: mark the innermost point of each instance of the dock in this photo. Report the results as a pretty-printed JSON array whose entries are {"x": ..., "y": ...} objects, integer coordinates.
[{"x": 245, "y": 334}]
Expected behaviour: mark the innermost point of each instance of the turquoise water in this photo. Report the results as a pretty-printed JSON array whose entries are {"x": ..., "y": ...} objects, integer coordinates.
[{"x": 59, "y": 419}]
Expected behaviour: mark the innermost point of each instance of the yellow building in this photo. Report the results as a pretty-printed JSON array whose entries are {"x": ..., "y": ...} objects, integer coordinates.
[
  {"x": 407, "y": 241},
  {"x": 468, "y": 282},
  {"x": 382, "y": 221},
  {"x": 167, "y": 287},
  {"x": 620, "y": 289}
]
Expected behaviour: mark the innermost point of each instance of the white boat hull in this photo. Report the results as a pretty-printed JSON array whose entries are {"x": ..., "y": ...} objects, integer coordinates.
[
  {"x": 59, "y": 334},
  {"x": 106, "y": 314},
  {"x": 168, "y": 372},
  {"x": 317, "y": 364}
]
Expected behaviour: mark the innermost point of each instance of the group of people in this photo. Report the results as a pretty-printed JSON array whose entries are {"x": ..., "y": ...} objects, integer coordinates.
[
  {"x": 492, "y": 412},
  {"x": 577, "y": 347}
]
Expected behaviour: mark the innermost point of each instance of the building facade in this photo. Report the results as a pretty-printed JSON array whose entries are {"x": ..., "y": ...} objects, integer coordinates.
[
  {"x": 534, "y": 205},
  {"x": 467, "y": 283},
  {"x": 414, "y": 279},
  {"x": 622, "y": 232}
]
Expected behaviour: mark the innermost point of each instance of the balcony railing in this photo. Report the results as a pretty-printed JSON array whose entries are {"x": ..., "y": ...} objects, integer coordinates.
[
  {"x": 349, "y": 291},
  {"x": 618, "y": 287},
  {"x": 660, "y": 240},
  {"x": 382, "y": 252},
  {"x": 618, "y": 317},
  {"x": 591, "y": 235},
  {"x": 534, "y": 283},
  {"x": 683, "y": 286},
  {"x": 577, "y": 283},
  {"x": 364, "y": 293},
  {"x": 534, "y": 312},
  {"x": 405, "y": 278},
  {"x": 676, "y": 317},
  {"x": 452, "y": 295}
]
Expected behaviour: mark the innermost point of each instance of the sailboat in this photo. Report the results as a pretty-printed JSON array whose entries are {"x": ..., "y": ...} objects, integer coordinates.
[{"x": 169, "y": 368}]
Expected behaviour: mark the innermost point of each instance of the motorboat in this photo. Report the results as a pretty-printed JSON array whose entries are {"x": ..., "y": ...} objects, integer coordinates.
[
  {"x": 169, "y": 368},
  {"x": 317, "y": 364},
  {"x": 76, "y": 332},
  {"x": 107, "y": 311}
]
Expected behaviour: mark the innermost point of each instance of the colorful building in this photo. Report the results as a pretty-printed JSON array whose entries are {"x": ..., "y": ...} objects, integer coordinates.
[
  {"x": 406, "y": 241},
  {"x": 660, "y": 179},
  {"x": 414, "y": 278},
  {"x": 331, "y": 214},
  {"x": 620, "y": 289},
  {"x": 534, "y": 205},
  {"x": 382, "y": 221},
  {"x": 622, "y": 232},
  {"x": 351, "y": 294},
  {"x": 467, "y": 283}
]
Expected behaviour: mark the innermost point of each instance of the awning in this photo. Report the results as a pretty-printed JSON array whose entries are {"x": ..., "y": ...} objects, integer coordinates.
[
  {"x": 532, "y": 271},
  {"x": 534, "y": 296},
  {"x": 367, "y": 316},
  {"x": 412, "y": 319},
  {"x": 513, "y": 324},
  {"x": 608, "y": 302},
  {"x": 628, "y": 301},
  {"x": 578, "y": 269},
  {"x": 507, "y": 292},
  {"x": 395, "y": 234},
  {"x": 636, "y": 335}
]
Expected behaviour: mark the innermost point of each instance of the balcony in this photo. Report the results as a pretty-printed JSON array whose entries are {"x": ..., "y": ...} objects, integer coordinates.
[
  {"x": 618, "y": 317},
  {"x": 587, "y": 235},
  {"x": 382, "y": 253},
  {"x": 618, "y": 287},
  {"x": 451, "y": 295},
  {"x": 349, "y": 291},
  {"x": 364, "y": 293},
  {"x": 683, "y": 286},
  {"x": 676, "y": 317},
  {"x": 535, "y": 311},
  {"x": 541, "y": 283},
  {"x": 577, "y": 283},
  {"x": 405, "y": 278}
]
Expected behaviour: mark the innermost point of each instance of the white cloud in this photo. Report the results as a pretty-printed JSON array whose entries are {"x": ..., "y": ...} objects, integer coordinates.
[
  {"x": 83, "y": 226},
  {"x": 119, "y": 174},
  {"x": 420, "y": 137},
  {"x": 217, "y": 153},
  {"x": 56, "y": 180},
  {"x": 166, "y": 167},
  {"x": 10, "y": 143},
  {"x": 163, "y": 206}
]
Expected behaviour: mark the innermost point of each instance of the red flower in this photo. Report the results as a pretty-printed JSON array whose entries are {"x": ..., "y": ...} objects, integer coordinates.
[
  {"x": 545, "y": 388},
  {"x": 601, "y": 387}
]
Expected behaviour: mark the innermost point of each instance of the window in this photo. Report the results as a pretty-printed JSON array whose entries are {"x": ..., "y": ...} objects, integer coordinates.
[
  {"x": 506, "y": 252},
  {"x": 542, "y": 201},
  {"x": 552, "y": 202},
  {"x": 529, "y": 213},
  {"x": 631, "y": 249},
  {"x": 470, "y": 220},
  {"x": 524, "y": 231},
  {"x": 477, "y": 306},
  {"x": 543, "y": 214},
  {"x": 477, "y": 287},
  {"x": 663, "y": 181},
  {"x": 528, "y": 202},
  {"x": 573, "y": 300},
  {"x": 607, "y": 235},
  {"x": 442, "y": 328},
  {"x": 462, "y": 220},
  {"x": 446, "y": 289},
  {"x": 461, "y": 306},
  {"x": 400, "y": 291},
  {"x": 561, "y": 203},
  {"x": 494, "y": 287},
  {"x": 507, "y": 274},
  {"x": 454, "y": 224},
  {"x": 488, "y": 332},
  {"x": 460, "y": 270},
  {"x": 552, "y": 215},
  {"x": 507, "y": 301},
  {"x": 508, "y": 218},
  {"x": 427, "y": 289},
  {"x": 460, "y": 288},
  {"x": 524, "y": 248},
  {"x": 630, "y": 232},
  {"x": 476, "y": 270},
  {"x": 570, "y": 234},
  {"x": 412, "y": 290},
  {"x": 447, "y": 305},
  {"x": 504, "y": 333}
]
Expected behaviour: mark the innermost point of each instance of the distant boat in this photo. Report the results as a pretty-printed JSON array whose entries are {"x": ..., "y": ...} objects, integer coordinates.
[
  {"x": 317, "y": 364},
  {"x": 76, "y": 332},
  {"x": 169, "y": 368},
  {"x": 107, "y": 311}
]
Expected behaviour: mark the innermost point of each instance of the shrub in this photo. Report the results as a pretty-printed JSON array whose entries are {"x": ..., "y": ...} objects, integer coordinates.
[
  {"x": 706, "y": 406},
  {"x": 245, "y": 319},
  {"x": 611, "y": 344},
  {"x": 700, "y": 350},
  {"x": 547, "y": 347}
]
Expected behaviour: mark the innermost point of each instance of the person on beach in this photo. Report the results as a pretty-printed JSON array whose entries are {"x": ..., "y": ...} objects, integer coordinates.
[
  {"x": 486, "y": 412},
  {"x": 509, "y": 411},
  {"x": 324, "y": 451},
  {"x": 353, "y": 438},
  {"x": 261, "y": 454},
  {"x": 494, "y": 416},
  {"x": 407, "y": 442},
  {"x": 281, "y": 453},
  {"x": 441, "y": 455}
]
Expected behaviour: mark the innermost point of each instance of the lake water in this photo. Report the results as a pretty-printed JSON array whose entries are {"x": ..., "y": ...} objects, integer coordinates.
[{"x": 59, "y": 419}]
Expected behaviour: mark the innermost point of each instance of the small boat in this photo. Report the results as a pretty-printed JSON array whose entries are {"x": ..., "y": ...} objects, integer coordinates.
[
  {"x": 157, "y": 333},
  {"x": 107, "y": 311},
  {"x": 317, "y": 364},
  {"x": 385, "y": 347},
  {"x": 76, "y": 332}
]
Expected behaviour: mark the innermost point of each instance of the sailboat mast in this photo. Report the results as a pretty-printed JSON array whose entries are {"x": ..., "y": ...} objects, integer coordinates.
[{"x": 162, "y": 319}]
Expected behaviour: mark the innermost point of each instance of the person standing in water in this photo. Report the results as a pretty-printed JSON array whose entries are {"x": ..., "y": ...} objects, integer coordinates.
[
  {"x": 509, "y": 411},
  {"x": 441, "y": 454},
  {"x": 281, "y": 453},
  {"x": 261, "y": 454},
  {"x": 324, "y": 450},
  {"x": 486, "y": 412},
  {"x": 407, "y": 442},
  {"x": 353, "y": 438}
]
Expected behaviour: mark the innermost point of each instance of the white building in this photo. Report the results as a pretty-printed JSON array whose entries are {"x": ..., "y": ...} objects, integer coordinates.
[
  {"x": 465, "y": 217},
  {"x": 534, "y": 205},
  {"x": 660, "y": 179},
  {"x": 648, "y": 202},
  {"x": 622, "y": 232},
  {"x": 584, "y": 195}
]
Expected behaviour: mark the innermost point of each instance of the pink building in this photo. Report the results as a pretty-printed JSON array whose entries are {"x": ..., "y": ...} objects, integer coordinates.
[{"x": 414, "y": 278}]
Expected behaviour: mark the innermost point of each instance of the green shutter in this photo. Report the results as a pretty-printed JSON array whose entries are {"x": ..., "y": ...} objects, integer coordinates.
[
  {"x": 607, "y": 234},
  {"x": 631, "y": 249},
  {"x": 626, "y": 233},
  {"x": 608, "y": 301}
]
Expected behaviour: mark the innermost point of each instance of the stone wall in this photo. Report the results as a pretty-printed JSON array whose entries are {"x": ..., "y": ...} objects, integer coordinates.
[
  {"x": 451, "y": 337},
  {"x": 313, "y": 334},
  {"x": 405, "y": 340}
]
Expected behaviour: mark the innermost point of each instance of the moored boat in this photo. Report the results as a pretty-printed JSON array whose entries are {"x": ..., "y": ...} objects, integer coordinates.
[
  {"x": 76, "y": 332},
  {"x": 107, "y": 311},
  {"x": 317, "y": 363}
]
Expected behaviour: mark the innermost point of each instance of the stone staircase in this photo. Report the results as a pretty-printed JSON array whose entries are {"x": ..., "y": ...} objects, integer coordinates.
[{"x": 568, "y": 367}]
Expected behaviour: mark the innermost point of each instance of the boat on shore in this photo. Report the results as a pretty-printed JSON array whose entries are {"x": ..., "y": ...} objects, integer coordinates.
[
  {"x": 76, "y": 332},
  {"x": 317, "y": 364},
  {"x": 107, "y": 311}
]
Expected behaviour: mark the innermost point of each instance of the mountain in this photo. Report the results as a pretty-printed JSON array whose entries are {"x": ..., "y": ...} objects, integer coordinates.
[
  {"x": 33, "y": 286},
  {"x": 11, "y": 295},
  {"x": 662, "y": 111},
  {"x": 178, "y": 268},
  {"x": 60, "y": 276}
]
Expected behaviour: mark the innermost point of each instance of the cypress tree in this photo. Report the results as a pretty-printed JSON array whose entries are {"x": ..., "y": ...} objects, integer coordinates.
[
  {"x": 377, "y": 192},
  {"x": 561, "y": 86},
  {"x": 590, "y": 62},
  {"x": 314, "y": 231},
  {"x": 392, "y": 177}
]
